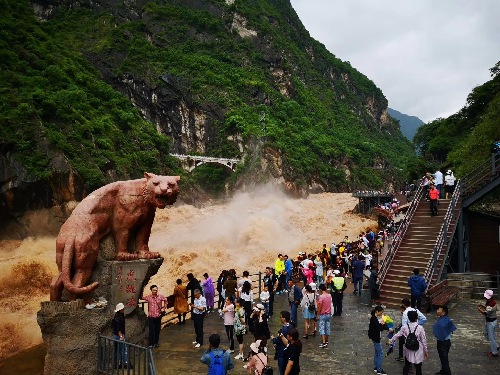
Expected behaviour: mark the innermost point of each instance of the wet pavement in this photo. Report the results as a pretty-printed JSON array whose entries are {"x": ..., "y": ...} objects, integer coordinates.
[{"x": 351, "y": 352}]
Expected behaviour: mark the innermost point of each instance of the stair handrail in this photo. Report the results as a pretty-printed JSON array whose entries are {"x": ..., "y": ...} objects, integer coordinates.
[
  {"x": 490, "y": 167},
  {"x": 396, "y": 241},
  {"x": 442, "y": 235}
]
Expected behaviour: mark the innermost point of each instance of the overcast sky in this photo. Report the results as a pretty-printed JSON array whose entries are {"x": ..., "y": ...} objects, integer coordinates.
[{"x": 425, "y": 55}]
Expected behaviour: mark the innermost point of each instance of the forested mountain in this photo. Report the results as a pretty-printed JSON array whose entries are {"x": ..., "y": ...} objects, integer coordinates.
[
  {"x": 95, "y": 91},
  {"x": 408, "y": 124},
  {"x": 464, "y": 140}
]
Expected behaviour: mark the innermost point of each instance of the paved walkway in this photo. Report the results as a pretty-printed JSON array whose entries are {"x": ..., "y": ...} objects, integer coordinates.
[{"x": 351, "y": 352}]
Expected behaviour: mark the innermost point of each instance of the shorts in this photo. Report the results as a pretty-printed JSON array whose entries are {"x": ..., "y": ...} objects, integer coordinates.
[{"x": 324, "y": 324}]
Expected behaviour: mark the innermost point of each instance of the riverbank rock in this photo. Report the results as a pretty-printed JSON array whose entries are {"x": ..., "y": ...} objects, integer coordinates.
[{"x": 70, "y": 329}]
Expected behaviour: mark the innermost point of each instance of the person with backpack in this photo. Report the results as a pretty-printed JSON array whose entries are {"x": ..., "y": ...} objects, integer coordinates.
[
  {"x": 217, "y": 360},
  {"x": 258, "y": 360},
  {"x": 415, "y": 347}
]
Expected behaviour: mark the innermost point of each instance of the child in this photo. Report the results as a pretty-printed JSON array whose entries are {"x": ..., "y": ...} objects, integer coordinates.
[
  {"x": 264, "y": 298},
  {"x": 387, "y": 320},
  {"x": 374, "y": 333}
]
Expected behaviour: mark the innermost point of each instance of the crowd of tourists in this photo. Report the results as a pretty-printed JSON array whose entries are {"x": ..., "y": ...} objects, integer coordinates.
[{"x": 324, "y": 274}]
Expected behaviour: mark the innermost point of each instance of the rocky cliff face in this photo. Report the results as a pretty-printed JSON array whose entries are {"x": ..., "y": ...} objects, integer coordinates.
[{"x": 287, "y": 62}]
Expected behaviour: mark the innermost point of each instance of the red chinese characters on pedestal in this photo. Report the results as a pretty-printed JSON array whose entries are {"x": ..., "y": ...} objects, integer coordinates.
[{"x": 127, "y": 279}]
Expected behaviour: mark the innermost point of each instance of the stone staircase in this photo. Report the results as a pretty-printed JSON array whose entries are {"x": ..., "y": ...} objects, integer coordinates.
[{"x": 415, "y": 251}]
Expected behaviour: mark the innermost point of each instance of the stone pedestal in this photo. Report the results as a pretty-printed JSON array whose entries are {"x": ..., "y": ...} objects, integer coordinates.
[{"x": 70, "y": 331}]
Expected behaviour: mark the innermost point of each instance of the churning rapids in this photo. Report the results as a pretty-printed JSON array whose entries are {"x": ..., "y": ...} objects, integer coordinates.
[{"x": 245, "y": 233}]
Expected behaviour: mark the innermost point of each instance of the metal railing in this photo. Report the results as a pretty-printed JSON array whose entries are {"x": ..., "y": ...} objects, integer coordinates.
[
  {"x": 121, "y": 357},
  {"x": 443, "y": 238},
  {"x": 396, "y": 242},
  {"x": 481, "y": 175}
]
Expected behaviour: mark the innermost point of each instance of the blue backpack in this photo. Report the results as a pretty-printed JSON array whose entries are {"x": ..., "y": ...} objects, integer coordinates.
[{"x": 216, "y": 365}]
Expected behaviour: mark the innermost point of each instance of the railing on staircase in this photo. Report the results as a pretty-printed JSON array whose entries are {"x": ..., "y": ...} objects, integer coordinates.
[
  {"x": 396, "y": 242},
  {"x": 442, "y": 240},
  {"x": 481, "y": 175}
]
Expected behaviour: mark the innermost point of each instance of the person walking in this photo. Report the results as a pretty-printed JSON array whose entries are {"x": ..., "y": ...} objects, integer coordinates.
[
  {"x": 324, "y": 313},
  {"x": 358, "y": 266},
  {"x": 433, "y": 200},
  {"x": 338, "y": 285},
  {"x": 157, "y": 304},
  {"x": 198, "y": 309},
  {"x": 489, "y": 310},
  {"x": 442, "y": 329},
  {"x": 217, "y": 360},
  {"x": 375, "y": 333},
  {"x": 309, "y": 307},
  {"x": 449, "y": 183},
  {"x": 417, "y": 285},
  {"x": 181, "y": 306},
  {"x": 417, "y": 356},
  {"x": 438, "y": 180}
]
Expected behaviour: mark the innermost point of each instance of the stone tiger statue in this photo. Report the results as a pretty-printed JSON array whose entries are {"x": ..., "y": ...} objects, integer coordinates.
[{"x": 124, "y": 209}]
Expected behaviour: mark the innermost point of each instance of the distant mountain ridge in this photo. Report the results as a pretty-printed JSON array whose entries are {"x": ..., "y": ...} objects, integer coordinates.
[{"x": 409, "y": 124}]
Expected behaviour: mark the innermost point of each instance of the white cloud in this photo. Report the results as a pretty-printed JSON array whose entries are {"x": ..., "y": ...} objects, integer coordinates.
[{"x": 426, "y": 56}]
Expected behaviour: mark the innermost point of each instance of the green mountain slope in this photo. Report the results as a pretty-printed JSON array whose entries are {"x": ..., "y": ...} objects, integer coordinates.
[
  {"x": 463, "y": 140},
  {"x": 115, "y": 86}
]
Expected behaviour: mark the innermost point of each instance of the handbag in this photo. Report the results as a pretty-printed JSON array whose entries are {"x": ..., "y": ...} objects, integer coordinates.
[{"x": 311, "y": 306}]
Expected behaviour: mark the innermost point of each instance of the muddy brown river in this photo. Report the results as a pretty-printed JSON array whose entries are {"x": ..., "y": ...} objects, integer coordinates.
[{"x": 245, "y": 232}]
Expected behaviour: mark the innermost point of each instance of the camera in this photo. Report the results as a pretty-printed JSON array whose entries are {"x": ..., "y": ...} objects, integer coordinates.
[{"x": 280, "y": 332}]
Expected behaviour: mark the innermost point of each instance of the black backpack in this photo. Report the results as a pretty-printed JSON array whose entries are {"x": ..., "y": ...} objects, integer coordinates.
[{"x": 411, "y": 342}]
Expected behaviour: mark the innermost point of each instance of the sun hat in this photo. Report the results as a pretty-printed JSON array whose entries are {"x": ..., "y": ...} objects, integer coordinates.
[
  {"x": 254, "y": 346},
  {"x": 488, "y": 294},
  {"x": 313, "y": 286},
  {"x": 336, "y": 272},
  {"x": 119, "y": 307},
  {"x": 260, "y": 306}
]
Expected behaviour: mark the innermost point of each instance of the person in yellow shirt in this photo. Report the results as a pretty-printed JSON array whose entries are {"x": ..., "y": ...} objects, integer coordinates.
[
  {"x": 341, "y": 249},
  {"x": 279, "y": 270}
]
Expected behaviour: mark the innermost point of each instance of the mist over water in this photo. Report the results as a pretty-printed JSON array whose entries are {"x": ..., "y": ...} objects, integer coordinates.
[{"x": 246, "y": 233}]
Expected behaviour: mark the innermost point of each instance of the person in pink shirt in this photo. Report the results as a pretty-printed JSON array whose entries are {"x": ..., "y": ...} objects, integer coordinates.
[
  {"x": 324, "y": 306},
  {"x": 415, "y": 357},
  {"x": 157, "y": 304}
]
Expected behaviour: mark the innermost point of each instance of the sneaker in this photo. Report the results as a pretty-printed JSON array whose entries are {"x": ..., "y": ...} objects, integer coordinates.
[
  {"x": 195, "y": 342},
  {"x": 245, "y": 366},
  {"x": 323, "y": 346},
  {"x": 375, "y": 369},
  {"x": 382, "y": 306},
  {"x": 230, "y": 351},
  {"x": 239, "y": 356},
  {"x": 381, "y": 372},
  {"x": 490, "y": 354},
  {"x": 399, "y": 359},
  {"x": 197, "y": 345}
]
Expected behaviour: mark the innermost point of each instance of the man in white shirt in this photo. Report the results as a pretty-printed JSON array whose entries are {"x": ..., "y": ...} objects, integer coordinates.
[
  {"x": 198, "y": 308},
  {"x": 438, "y": 181}
]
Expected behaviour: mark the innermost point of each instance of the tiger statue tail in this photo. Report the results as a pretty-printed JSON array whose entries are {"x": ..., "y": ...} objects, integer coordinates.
[{"x": 81, "y": 276}]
